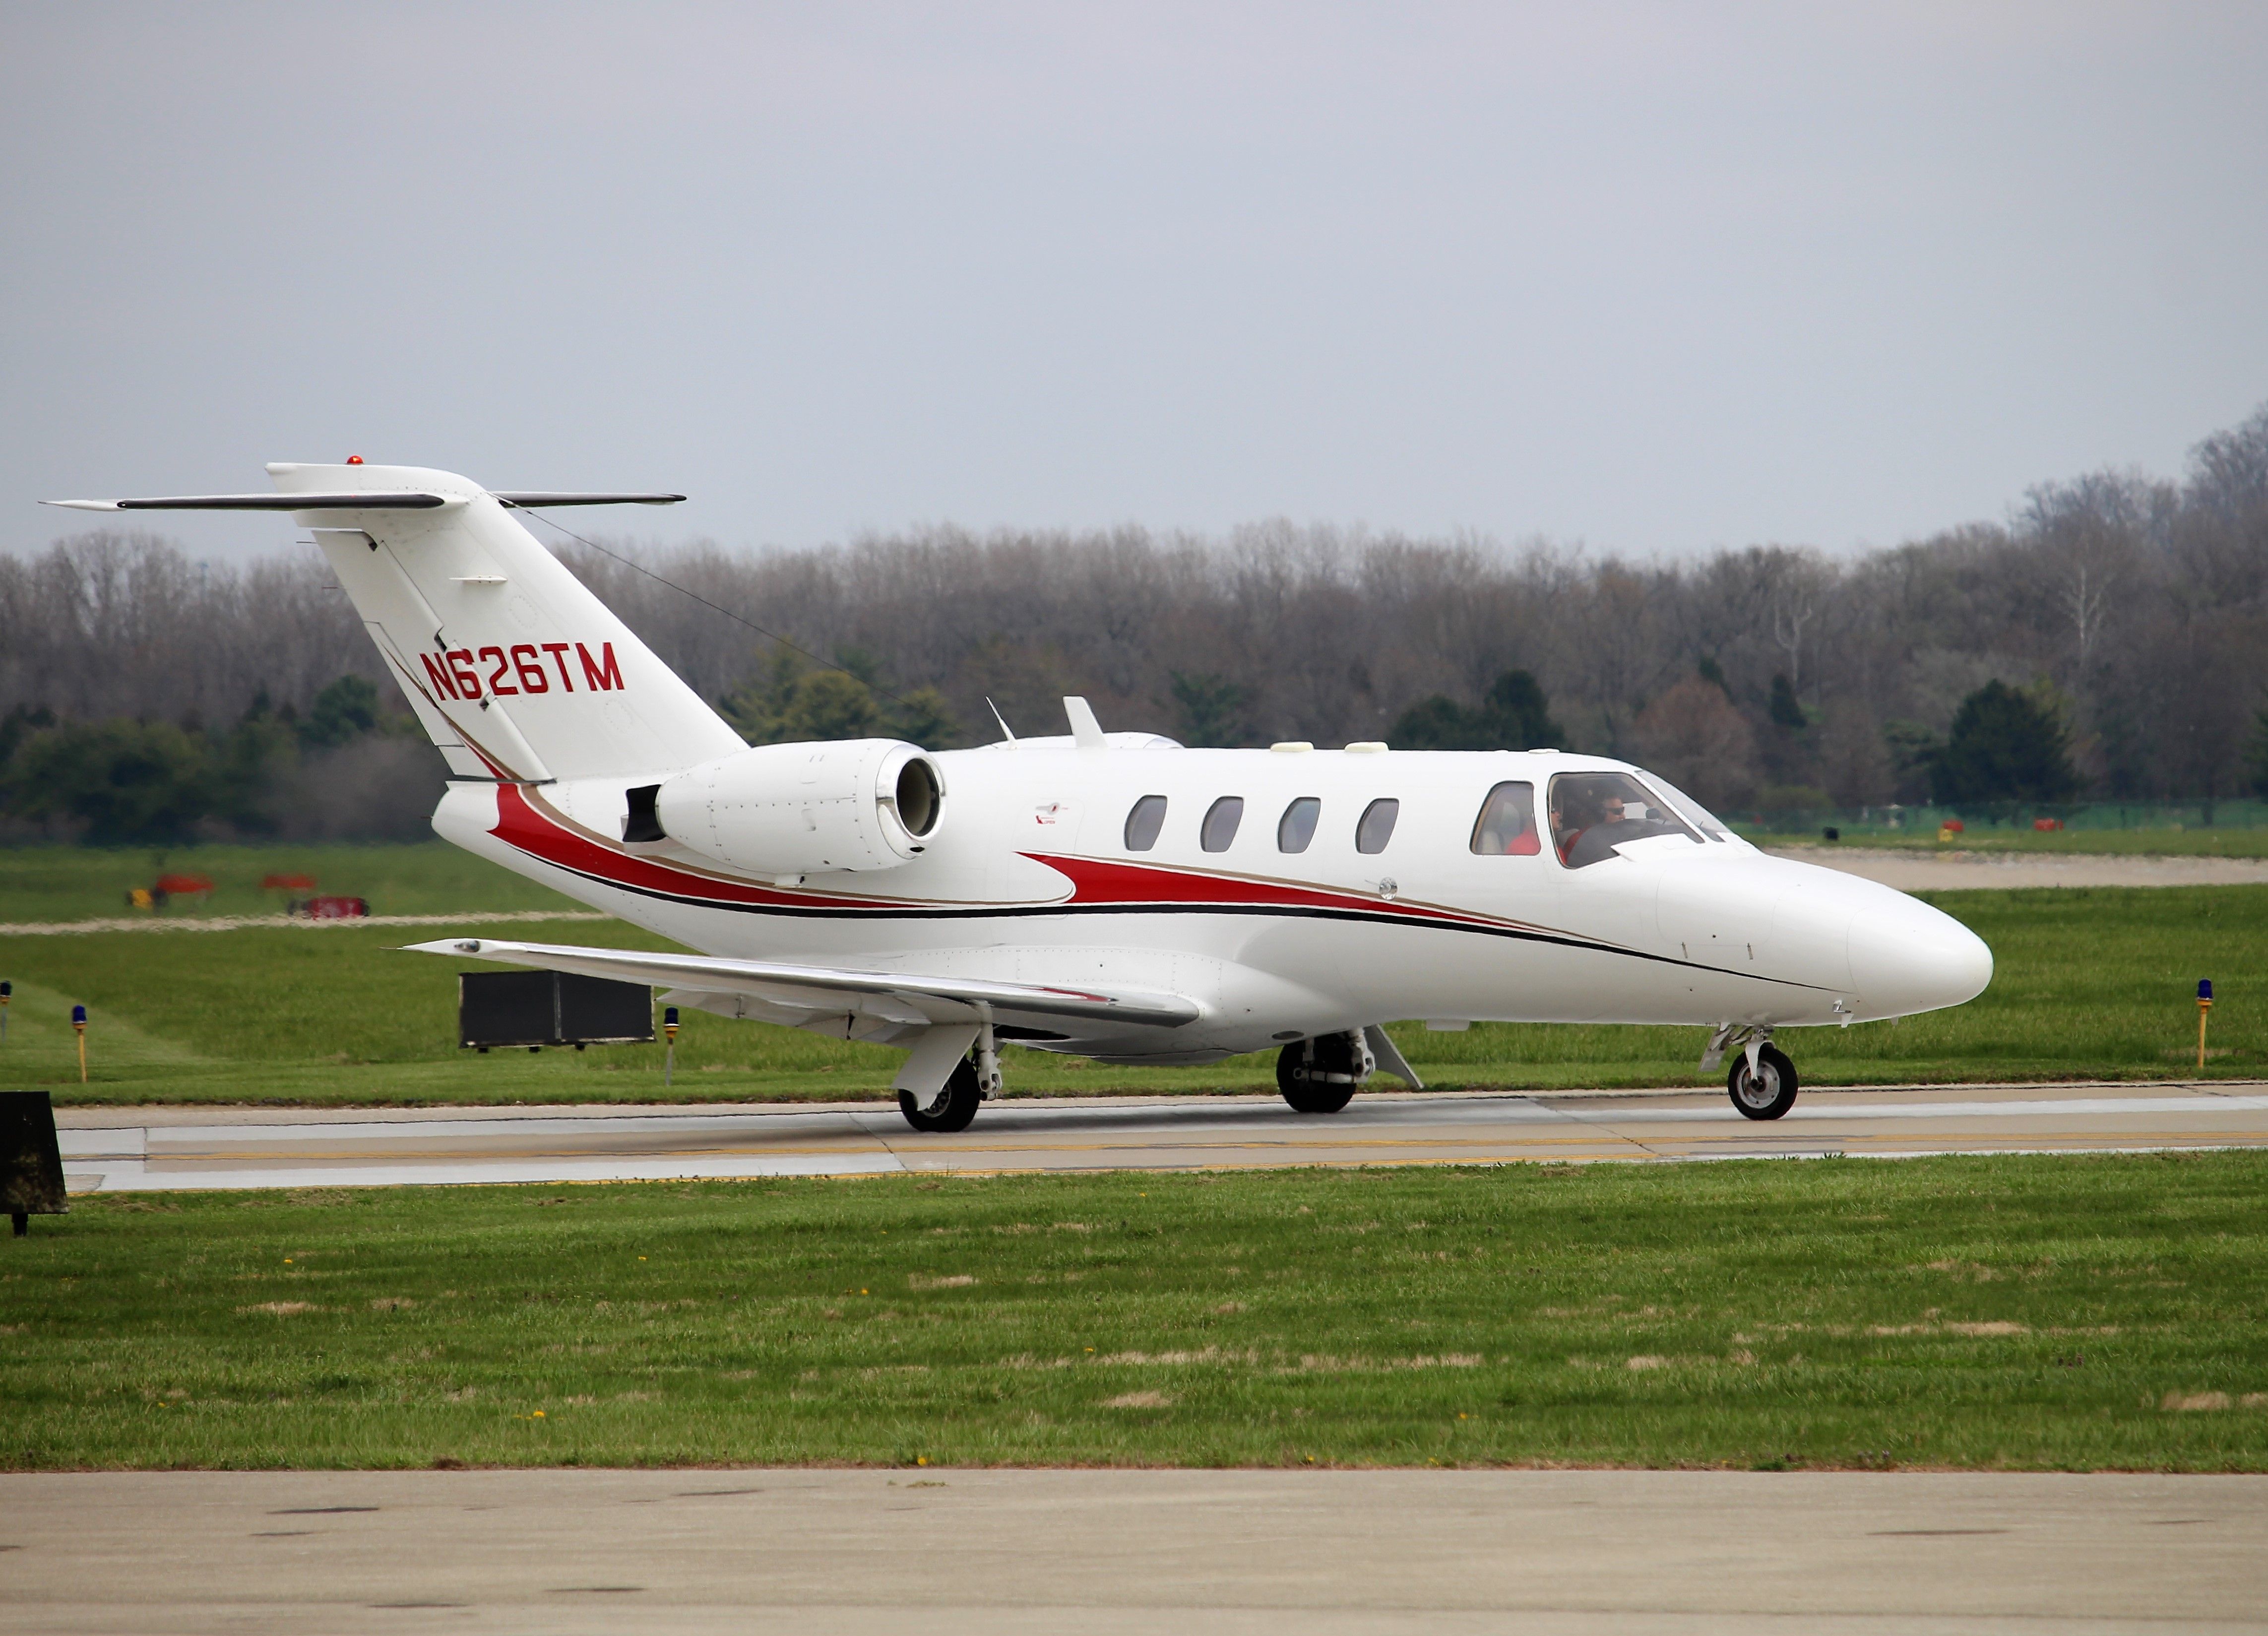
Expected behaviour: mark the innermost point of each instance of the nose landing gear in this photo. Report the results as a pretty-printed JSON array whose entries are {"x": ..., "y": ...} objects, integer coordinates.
[
  {"x": 1767, "y": 1090},
  {"x": 1762, "y": 1083}
]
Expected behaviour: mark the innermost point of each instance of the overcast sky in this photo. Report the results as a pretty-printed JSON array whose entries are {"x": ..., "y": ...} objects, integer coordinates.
[{"x": 1658, "y": 277}]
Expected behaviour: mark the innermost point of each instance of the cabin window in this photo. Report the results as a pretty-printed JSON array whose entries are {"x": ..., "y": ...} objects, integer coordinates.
[
  {"x": 1297, "y": 827},
  {"x": 1506, "y": 826},
  {"x": 1220, "y": 822},
  {"x": 1592, "y": 813},
  {"x": 1377, "y": 826},
  {"x": 1144, "y": 822}
]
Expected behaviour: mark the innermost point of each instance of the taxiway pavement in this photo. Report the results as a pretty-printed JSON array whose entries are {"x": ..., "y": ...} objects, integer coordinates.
[
  {"x": 1960, "y": 871},
  {"x": 138, "y": 1149},
  {"x": 1003, "y": 1552}
]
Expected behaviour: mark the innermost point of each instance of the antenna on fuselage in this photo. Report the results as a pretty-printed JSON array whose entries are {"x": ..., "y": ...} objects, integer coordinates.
[{"x": 1002, "y": 720}]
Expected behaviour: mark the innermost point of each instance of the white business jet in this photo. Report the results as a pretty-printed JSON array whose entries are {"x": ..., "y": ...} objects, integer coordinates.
[{"x": 1109, "y": 894}]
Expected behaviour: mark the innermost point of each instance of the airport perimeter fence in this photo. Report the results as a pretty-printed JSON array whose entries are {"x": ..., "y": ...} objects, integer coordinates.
[{"x": 1853, "y": 823}]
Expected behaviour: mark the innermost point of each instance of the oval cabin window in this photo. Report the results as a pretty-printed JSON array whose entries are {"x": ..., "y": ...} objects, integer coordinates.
[
  {"x": 1220, "y": 822},
  {"x": 1377, "y": 826},
  {"x": 1506, "y": 826},
  {"x": 1297, "y": 827},
  {"x": 1144, "y": 822}
]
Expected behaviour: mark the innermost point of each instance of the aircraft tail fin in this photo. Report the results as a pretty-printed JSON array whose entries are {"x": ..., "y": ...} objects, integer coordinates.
[{"x": 516, "y": 671}]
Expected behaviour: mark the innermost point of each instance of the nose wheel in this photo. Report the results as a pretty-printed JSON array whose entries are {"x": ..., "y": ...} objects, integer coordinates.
[{"x": 1766, "y": 1091}]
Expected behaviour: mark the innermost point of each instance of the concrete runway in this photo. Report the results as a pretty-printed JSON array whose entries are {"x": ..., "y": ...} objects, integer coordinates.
[
  {"x": 1958, "y": 871},
  {"x": 1194, "y": 1552},
  {"x": 143, "y": 1149}
]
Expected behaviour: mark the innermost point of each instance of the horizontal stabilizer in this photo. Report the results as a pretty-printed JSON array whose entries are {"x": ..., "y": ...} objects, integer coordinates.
[
  {"x": 371, "y": 501},
  {"x": 820, "y": 988},
  {"x": 377, "y": 501}
]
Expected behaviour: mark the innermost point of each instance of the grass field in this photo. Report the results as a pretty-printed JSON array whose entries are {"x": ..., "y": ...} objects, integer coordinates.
[
  {"x": 2090, "y": 984},
  {"x": 49, "y": 883},
  {"x": 2061, "y": 1312}
]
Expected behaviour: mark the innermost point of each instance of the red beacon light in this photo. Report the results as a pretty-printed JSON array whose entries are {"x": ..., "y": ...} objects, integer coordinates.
[{"x": 354, "y": 460}]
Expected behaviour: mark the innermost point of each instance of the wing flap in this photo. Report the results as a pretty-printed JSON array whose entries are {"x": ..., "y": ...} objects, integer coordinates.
[{"x": 934, "y": 1000}]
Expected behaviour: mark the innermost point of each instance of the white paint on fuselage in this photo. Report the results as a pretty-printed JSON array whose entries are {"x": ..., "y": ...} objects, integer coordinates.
[{"x": 1698, "y": 933}]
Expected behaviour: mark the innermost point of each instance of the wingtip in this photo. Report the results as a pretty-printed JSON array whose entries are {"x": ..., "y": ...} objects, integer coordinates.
[
  {"x": 84, "y": 506},
  {"x": 444, "y": 946}
]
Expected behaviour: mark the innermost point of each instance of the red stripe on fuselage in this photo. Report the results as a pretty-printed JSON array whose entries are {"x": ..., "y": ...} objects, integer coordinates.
[
  {"x": 1098, "y": 881},
  {"x": 542, "y": 837}
]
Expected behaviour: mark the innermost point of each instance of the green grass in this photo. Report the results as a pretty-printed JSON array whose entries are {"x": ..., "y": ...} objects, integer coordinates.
[
  {"x": 2091, "y": 983},
  {"x": 1979, "y": 837},
  {"x": 2020, "y": 1312},
  {"x": 48, "y": 883}
]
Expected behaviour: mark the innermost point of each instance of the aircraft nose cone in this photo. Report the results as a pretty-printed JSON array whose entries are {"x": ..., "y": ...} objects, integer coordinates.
[{"x": 1906, "y": 957}]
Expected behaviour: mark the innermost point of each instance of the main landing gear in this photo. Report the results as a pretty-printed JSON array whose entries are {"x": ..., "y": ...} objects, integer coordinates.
[
  {"x": 1322, "y": 1075},
  {"x": 953, "y": 1109},
  {"x": 1763, "y": 1082},
  {"x": 975, "y": 1080}
]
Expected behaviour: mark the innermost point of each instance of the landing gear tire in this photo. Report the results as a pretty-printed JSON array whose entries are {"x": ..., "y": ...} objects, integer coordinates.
[
  {"x": 1318, "y": 1076},
  {"x": 950, "y": 1112},
  {"x": 1769, "y": 1090}
]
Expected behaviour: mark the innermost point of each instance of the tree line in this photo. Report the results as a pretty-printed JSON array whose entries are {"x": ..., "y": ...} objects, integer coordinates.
[{"x": 2107, "y": 639}]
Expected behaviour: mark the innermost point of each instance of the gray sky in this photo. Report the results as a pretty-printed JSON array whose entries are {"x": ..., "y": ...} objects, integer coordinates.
[{"x": 1659, "y": 277}]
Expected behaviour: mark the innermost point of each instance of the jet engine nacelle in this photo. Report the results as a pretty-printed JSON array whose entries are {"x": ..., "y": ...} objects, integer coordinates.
[{"x": 793, "y": 809}]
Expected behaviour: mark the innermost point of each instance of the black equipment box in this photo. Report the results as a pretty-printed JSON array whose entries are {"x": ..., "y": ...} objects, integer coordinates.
[
  {"x": 31, "y": 1164},
  {"x": 551, "y": 1009}
]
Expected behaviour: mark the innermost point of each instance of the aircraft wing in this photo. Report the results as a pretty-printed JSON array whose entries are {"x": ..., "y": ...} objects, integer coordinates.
[{"x": 820, "y": 988}]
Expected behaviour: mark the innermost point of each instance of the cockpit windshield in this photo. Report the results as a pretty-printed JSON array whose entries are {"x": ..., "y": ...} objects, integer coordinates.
[
  {"x": 1700, "y": 816},
  {"x": 1594, "y": 812}
]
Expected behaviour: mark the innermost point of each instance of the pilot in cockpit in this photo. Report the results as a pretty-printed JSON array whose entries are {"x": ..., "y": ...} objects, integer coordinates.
[{"x": 1590, "y": 817}]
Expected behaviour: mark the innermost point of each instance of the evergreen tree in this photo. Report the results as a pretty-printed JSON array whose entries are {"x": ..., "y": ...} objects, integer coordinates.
[
  {"x": 1514, "y": 715},
  {"x": 829, "y": 704},
  {"x": 789, "y": 702},
  {"x": 342, "y": 712},
  {"x": 1520, "y": 715},
  {"x": 922, "y": 716},
  {"x": 1211, "y": 710},
  {"x": 2006, "y": 749},
  {"x": 1786, "y": 710},
  {"x": 2256, "y": 754}
]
